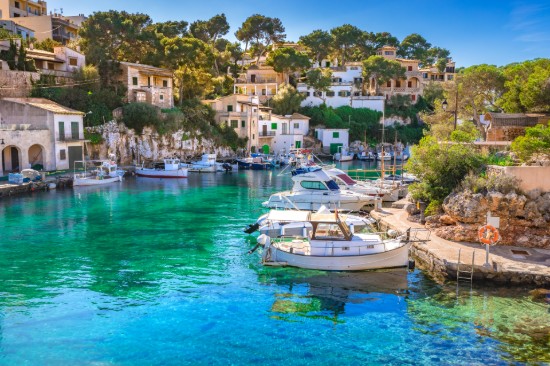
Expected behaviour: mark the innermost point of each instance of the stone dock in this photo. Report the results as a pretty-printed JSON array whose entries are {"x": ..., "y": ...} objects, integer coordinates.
[{"x": 507, "y": 264}]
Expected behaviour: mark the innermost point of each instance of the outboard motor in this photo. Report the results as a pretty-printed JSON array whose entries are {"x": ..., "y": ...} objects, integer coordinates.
[{"x": 227, "y": 167}]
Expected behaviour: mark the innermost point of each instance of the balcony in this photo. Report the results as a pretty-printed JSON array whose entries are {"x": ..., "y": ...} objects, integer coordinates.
[
  {"x": 69, "y": 139},
  {"x": 267, "y": 133},
  {"x": 256, "y": 81},
  {"x": 233, "y": 114},
  {"x": 417, "y": 74}
]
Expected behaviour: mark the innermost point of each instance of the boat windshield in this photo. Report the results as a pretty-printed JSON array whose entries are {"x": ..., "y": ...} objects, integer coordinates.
[
  {"x": 329, "y": 231},
  {"x": 332, "y": 185}
]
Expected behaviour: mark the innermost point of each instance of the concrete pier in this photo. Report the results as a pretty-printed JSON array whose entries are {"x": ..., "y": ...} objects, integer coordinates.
[{"x": 507, "y": 264}]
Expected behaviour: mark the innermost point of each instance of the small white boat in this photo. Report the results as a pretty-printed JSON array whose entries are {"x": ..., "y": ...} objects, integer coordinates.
[
  {"x": 292, "y": 222},
  {"x": 369, "y": 156},
  {"x": 106, "y": 173},
  {"x": 333, "y": 246},
  {"x": 344, "y": 181},
  {"x": 343, "y": 154},
  {"x": 313, "y": 189},
  {"x": 386, "y": 156},
  {"x": 170, "y": 168},
  {"x": 207, "y": 164}
]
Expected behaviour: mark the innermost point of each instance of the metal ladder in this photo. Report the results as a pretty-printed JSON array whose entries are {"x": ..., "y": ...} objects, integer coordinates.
[{"x": 467, "y": 275}]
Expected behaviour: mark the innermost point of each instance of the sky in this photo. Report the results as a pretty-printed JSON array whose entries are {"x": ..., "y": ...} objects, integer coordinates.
[{"x": 476, "y": 32}]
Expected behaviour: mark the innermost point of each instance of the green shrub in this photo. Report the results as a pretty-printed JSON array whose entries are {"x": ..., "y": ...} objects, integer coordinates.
[
  {"x": 95, "y": 138},
  {"x": 139, "y": 115},
  {"x": 434, "y": 208},
  {"x": 493, "y": 182}
]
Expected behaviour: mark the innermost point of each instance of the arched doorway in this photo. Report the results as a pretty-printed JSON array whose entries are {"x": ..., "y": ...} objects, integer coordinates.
[
  {"x": 11, "y": 159},
  {"x": 265, "y": 149},
  {"x": 36, "y": 157}
]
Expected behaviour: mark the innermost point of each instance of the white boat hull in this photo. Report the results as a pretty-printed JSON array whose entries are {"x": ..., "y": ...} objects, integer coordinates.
[
  {"x": 314, "y": 201},
  {"x": 95, "y": 182},
  {"x": 154, "y": 173},
  {"x": 398, "y": 257}
]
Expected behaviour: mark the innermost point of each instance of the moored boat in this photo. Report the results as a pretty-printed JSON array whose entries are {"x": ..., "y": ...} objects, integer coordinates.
[
  {"x": 333, "y": 246},
  {"x": 169, "y": 168},
  {"x": 105, "y": 173}
]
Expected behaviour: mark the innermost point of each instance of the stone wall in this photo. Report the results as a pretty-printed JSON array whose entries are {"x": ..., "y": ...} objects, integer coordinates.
[
  {"x": 530, "y": 177},
  {"x": 524, "y": 219},
  {"x": 16, "y": 84}
]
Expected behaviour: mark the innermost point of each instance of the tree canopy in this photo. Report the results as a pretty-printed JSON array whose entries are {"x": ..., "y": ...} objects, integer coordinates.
[{"x": 382, "y": 70}]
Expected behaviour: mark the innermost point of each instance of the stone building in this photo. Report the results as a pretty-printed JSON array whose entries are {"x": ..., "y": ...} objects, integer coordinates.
[
  {"x": 260, "y": 81},
  {"x": 36, "y": 132},
  {"x": 508, "y": 126},
  {"x": 148, "y": 84}
]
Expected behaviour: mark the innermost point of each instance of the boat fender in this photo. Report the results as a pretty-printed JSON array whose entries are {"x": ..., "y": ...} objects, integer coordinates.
[{"x": 412, "y": 264}]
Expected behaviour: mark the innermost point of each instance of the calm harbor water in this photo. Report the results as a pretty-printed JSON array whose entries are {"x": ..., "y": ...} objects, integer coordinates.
[{"x": 156, "y": 272}]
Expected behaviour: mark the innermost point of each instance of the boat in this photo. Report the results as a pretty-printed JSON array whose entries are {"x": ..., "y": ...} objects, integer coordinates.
[
  {"x": 344, "y": 181},
  {"x": 293, "y": 222},
  {"x": 207, "y": 164},
  {"x": 105, "y": 173},
  {"x": 386, "y": 156},
  {"x": 169, "y": 168},
  {"x": 343, "y": 154},
  {"x": 369, "y": 156},
  {"x": 312, "y": 189},
  {"x": 333, "y": 246}
]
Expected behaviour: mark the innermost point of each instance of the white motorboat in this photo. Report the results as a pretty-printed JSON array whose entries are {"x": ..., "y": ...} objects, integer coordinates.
[
  {"x": 344, "y": 181},
  {"x": 312, "y": 189},
  {"x": 105, "y": 173},
  {"x": 343, "y": 154},
  {"x": 170, "y": 168},
  {"x": 386, "y": 156},
  {"x": 292, "y": 222},
  {"x": 207, "y": 164},
  {"x": 367, "y": 156},
  {"x": 333, "y": 246}
]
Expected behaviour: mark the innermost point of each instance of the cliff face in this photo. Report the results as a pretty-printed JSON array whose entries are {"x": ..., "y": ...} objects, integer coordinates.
[
  {"x": 524, "y": 219},
  {"x": 133, "y": 148}
]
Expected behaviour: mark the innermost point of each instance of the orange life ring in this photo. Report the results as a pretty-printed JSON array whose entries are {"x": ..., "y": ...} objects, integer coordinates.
[{"x": 488, "y": 234}]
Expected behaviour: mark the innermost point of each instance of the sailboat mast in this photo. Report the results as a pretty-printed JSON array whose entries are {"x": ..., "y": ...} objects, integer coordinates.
[{"x": 383, "y": 124}]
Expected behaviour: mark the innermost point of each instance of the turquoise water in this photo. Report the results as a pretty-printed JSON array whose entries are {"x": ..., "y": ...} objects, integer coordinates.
[{"x": 156, "y": 272}]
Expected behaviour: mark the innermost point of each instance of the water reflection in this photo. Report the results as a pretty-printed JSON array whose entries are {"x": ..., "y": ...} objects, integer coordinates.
[{"x": 314, "y": 294}]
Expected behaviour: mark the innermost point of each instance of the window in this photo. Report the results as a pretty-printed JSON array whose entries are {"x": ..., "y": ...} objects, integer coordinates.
[
  {"x": 313, "y": 185},
  {"x": 449, "y": 77},
  {"x": 357, "y": 80},
  {"x": 388, "y": 83},
  {"x": 51, "y": 66},
  {"x": 413, "y": 97},
  {"x": 409, "y": 68},
  {"x": 336, "y": 80},
  {"x": 141, "y": 97},
  {"x": 75, "y": 133},
  {"x": 296, "y": 125},
  {"x": 61, "y": 131},
  {"x": 234, "y": 123},
  {"x": 73, "y": 61},
  {"x": 335, "y": 135},
  {"x": 264, "y": 91},
  {"x": 274, "y": 126},
  {"x": 161, "y": 97},
  {"x": 356, "y": 94},
  {"x": 243, "y": 124},
  {"x": 344, "y": 93},
  {"x": 327, "y": 64},
  {"x": 317, "y": 94},
  {"x": 330, "y": 94},
  {"x": 165, "y": 83},
  {"x": 388, "y": 53},
  {"x": 398, "y": 83},
  {"x": 17, "y": 5},
  {"x": 230, "y": 108},
  {"x": 409, "y": 84},
  {"x": 62, "y": 154},
  {"x": 306, "y": 94},
  {"x": 425, "y": 75}
]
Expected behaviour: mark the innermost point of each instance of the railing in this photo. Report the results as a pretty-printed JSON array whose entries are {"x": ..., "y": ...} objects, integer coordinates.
[
  {"x": 267, "y": 133},
  {"x": 233, "y": 114},
  {"x": 68, "y": 139},
  {"x": 256, "y": 81}
]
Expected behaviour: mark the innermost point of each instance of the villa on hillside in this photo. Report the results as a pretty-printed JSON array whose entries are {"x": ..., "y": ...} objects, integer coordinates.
[
  {"x": 147, "y": 84},
  {"x": 260, "y": 81}
]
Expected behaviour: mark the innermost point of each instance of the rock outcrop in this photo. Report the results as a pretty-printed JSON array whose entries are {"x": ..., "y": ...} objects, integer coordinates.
[
  {"x": 524, "y": 219},
  {"x": 130, "y": 147}
]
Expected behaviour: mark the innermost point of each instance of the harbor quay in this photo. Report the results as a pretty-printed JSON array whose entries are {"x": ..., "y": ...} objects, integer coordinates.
[{"x": 449, "y": 260}]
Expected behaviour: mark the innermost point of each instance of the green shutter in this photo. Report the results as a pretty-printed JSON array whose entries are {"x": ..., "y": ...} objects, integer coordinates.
[
  {"x": 298, "y": 144},
  {"x": 61, "y": 131},
  {"x": 75, "y": 133},
  {"x": 243, "y": 124},
  {"x": 335, "y": 135},
  {"x": 274, "y": 126}
]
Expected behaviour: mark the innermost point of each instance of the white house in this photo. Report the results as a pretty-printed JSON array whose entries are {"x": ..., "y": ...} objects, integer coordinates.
[
  {"x": 39, "y": 132},
  {"x": 346, "y": 90},
  {"x": 332, "y": 138},
  {"x": 282, "y": 133}
]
